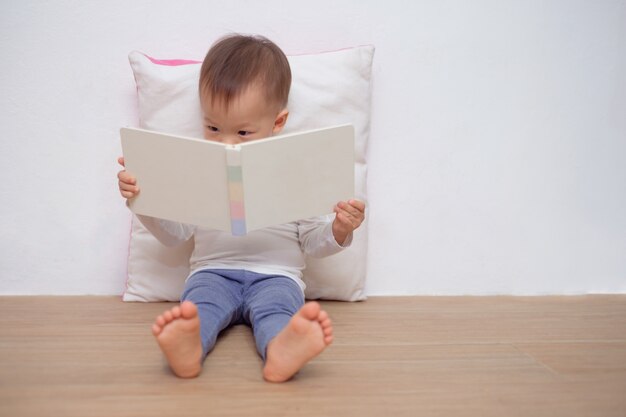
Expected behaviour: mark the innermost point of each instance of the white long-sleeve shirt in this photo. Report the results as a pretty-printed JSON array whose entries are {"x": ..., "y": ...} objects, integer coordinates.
[{"x": 277, "y": 250}]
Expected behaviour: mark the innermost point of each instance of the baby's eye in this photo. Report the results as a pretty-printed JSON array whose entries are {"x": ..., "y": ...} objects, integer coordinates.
[
  {"x": 212, "y": 128},
  {"x": 243, "y": 133}
]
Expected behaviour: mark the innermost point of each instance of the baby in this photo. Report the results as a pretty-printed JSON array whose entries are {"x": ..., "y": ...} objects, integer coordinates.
[{"x": 253, "y": 279}]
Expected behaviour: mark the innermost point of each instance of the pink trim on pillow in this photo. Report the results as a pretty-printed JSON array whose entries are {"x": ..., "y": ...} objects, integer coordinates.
[
  {"x": 130, "y": 236},
  {"x": 172, "y": 62},
  {"x": 177, "y": 62}
]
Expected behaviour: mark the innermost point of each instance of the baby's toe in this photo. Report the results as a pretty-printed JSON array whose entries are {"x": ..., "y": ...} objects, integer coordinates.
[
  {"x": 322, "y": 316},
  {"x": 188, "y": 309},
  {"x": 176, "y": 312},
  {"x": 310, "y": 310},
  {"x": 168, "y": 316},
  {"x": 160, "y": 321}
]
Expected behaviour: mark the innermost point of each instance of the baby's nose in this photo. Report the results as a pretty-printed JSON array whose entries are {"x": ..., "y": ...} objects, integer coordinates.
[{"x": 230, "y": 139}]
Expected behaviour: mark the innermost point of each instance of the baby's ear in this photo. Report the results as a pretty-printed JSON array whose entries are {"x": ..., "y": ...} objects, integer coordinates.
[{"x": 280, "y": 121}]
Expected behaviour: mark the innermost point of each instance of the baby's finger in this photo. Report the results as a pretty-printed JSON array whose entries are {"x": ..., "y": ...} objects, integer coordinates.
[
  {"x": 353, "y": 211},
  {"x": 124, "y": 186},
  {"x": 355, "y": 216},
  {"x": 347, "y": 219},
  {"x": 120, "y": 161},
  {"x": 357, "y": 204},
  {"x": 126, "y": 177},
  {"x": 343, "y": 222}
]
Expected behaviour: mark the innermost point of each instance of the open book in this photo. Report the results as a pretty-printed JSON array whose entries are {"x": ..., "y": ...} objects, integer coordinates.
[{"x": 240, "y": 188}]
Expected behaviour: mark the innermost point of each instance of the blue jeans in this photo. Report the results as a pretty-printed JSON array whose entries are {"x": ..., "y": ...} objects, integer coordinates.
[{"x": 226, "y": 297}]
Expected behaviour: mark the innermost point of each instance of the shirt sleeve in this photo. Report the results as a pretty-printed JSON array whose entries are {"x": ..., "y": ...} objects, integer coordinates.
[
  {"x": 167, "y": 232},
  {"x": 316, "y": 237}
]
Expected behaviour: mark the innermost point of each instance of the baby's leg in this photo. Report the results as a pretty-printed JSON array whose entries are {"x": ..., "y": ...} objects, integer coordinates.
[
  {"x": 209, "y": 304},
  {"x": 288, "y": 332},
  {"x": 219, "y": 301}
]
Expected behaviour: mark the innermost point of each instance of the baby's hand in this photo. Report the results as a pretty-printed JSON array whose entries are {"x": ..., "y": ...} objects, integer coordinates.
[
  {"x": 127, "y": 182},
  {"x": 350, "y": 215}
]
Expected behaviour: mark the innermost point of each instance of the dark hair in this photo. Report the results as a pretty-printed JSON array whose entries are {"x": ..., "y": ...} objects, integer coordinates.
[{"x": 236, "y": 61}]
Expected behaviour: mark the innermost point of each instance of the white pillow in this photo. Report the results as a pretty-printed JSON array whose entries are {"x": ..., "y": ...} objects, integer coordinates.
[{"x": 327, "y": 88}]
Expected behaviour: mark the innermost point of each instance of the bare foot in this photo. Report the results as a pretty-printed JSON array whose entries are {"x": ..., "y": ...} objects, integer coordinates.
[
  {"x": 306, "y": 335},
  {"x": 178, "y": 333}
]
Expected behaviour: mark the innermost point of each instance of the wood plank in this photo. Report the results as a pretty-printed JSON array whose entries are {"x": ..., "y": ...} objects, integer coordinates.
[{"x": 406, "y": 356}]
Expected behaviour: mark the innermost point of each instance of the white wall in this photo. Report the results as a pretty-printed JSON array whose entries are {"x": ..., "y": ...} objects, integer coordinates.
[{"x": 496, "y": 156}]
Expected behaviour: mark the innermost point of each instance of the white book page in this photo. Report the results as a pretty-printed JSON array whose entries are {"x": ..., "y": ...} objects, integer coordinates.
[
  {"x": 180, "y": 179},
  {"x": 297, "y": 176}
]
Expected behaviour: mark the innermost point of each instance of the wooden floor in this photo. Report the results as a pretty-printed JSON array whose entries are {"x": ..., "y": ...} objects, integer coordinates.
[{"x": 403, "y": 356}]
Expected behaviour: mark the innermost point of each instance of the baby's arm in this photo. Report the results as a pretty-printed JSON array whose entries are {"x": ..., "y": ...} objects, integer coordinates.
[
  {"x": 350, "y": 215},
  {"x": 322, "y": 236},
  {"x": 167, "y": 232}
]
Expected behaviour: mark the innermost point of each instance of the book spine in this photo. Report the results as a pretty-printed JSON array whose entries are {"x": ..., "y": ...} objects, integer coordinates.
[{"x": 235, "y": 191}]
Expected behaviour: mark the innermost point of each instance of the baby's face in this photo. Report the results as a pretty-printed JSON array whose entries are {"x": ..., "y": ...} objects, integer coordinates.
[{"x": 247, "y": 117}]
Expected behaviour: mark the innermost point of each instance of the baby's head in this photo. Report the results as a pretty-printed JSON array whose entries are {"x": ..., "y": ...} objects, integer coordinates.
[{"x": 244, "y": 88}]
